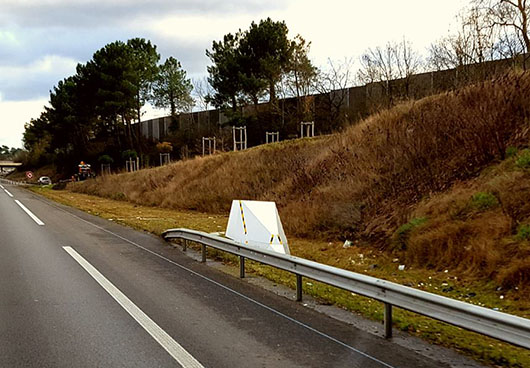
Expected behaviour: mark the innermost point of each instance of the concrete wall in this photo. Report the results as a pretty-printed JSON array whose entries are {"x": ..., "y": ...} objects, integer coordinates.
[{"x": 331, "y": 111}]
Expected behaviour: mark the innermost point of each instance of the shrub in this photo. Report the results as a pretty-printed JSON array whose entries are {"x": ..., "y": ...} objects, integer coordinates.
[
  {"x": 523, "y": 161},
  {"x": 105, "y": 159},
  {"x": 511, "y": 151},
  {"x": 164, "y": 147},
  {"x": 484, "y": 201},
  {"x": 402, "y": 233},
  {"x": 523, "y": 232},
  {"x": 129, "y": 154}
]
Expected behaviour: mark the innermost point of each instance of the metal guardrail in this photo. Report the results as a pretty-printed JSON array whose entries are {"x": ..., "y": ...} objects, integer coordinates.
[
  {"x": 13, "y": 182},
  {"x": 502, "y": 326}
]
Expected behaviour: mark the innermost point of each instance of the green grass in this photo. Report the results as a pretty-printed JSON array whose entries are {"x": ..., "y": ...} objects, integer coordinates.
[
  {"x": 482, "y": 201},
  {"x": 523, "y": 160},
  {"x": 402, "y": 233},
  {"x": 523, "y": 232},
  {"x": 356, "y": 258},
  {"x": 511, "y": 151}
]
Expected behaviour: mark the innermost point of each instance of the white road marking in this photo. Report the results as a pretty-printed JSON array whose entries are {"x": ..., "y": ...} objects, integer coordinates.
[
  {"x": 9, "y": 194},
  {"x": 30, "y": 214},
  {"x": 174, "y": 349},
  {"x": 1, "y": 186}
]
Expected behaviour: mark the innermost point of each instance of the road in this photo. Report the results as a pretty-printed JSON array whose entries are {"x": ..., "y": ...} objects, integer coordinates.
[{"x": 80, "y": 291}]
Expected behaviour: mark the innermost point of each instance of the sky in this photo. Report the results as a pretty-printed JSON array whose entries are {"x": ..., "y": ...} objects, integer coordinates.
[{"x": 42, "y": 41}]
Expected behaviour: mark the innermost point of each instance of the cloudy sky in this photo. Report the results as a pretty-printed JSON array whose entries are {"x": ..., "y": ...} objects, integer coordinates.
[{"x": 41, "y": 41}]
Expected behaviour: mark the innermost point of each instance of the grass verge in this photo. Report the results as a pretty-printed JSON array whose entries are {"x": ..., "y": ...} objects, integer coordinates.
[{"x": 357, "y": 258}]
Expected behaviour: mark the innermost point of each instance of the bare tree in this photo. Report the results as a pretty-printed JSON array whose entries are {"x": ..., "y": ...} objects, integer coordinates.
[
  {"x": 509, "y": 14},
  {"x": 332, "y": 83},
  {"x": 472, "y": 44},
  {"x": 379, "y": 64},
  {"x": 202, "y": 92},
  {"x": 408, "y": 63},
  {"x": 394, "y": 61}
]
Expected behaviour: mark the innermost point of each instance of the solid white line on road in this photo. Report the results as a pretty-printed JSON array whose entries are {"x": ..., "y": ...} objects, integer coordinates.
[
  {"x": 174, "y": 349},
  {"x": 1, "y": 186},
  {"x": 30, "y": 214},
  {"x": 9, "y": 194}
]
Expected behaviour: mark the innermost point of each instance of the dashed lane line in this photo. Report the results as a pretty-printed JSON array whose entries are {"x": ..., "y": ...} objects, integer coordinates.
[
  {"x": 185, "y": 359},
  {"x": 29, "y": 213}
]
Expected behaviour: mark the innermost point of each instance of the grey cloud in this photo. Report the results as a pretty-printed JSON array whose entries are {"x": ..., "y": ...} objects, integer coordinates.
[
  {"x": 76, "y": 29},
  {"x": 33, "y": 44},
  {"x": 34, "y": 84},
  {"x": 27, "y": 88},
  {"x": 74, "y": 14}
]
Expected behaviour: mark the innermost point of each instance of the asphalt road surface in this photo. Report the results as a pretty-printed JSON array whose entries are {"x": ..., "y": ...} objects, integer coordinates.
[{"x": 81, "y": 291}]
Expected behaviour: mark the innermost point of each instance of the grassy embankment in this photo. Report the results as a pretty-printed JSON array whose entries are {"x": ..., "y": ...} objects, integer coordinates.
[{"x": 440, "y": 184}]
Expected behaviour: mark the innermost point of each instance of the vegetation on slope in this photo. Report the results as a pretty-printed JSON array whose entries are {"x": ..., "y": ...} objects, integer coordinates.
[{"x": 366, "y": 182}]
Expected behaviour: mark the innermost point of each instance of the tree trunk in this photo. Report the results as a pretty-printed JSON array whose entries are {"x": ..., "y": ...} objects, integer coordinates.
[
  {"x": 524, "y": 25},
  {"x": 127, "y": 123},
  {"x": 272, "y": 91}
]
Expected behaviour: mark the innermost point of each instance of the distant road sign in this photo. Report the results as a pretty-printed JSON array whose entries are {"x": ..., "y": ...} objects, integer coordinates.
[{"x": 29, "y": 175}]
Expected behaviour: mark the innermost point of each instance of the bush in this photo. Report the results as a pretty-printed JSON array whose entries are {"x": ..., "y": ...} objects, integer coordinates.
[
  {"x": 523, "y": 161},
  {"x": 511, "y": 151},
  {"x": 402, "y": 233},
  {"x": 523, "y": 233},
  {"x": 105, "y": 159},
  {"x": 164, "y": 147},
  {"x": 59, "y": 186},
  {"x": 129, "y": 154},
  {"x": 484, "y": 201}
]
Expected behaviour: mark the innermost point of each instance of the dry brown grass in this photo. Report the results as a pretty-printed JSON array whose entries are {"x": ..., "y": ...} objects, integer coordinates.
[
  {"x": 368, "y": 180},
  {"x": 477, "y": 242}
]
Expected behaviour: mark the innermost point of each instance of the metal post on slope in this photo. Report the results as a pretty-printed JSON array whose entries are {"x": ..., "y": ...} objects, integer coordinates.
[
  {"x": 203, "y": 248},
  {"x": 307, "y": 129},
  {"x": 240, "y": 144},
  {"x": 388, "y": 321},
  {"x": 241, "y": 267},
  {"x": 298, "y": 288}
]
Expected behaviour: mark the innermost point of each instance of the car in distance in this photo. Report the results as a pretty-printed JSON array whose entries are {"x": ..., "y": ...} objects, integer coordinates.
[{"x": 44, "y": 180}]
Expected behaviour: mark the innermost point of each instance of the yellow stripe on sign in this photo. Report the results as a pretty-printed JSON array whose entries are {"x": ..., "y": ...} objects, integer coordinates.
[
  {"x": 243, "y": 217},
  {"x": 272, "y": 239},
  {"x": 280, "y": 239}
]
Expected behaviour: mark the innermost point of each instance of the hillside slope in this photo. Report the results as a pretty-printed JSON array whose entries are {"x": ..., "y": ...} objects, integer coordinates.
[{"x": 369, "y": 181}]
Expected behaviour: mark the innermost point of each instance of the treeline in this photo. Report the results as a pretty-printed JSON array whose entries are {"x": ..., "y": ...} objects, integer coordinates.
[
  {"x": 10, "y": 153},
  {"x": 91, "y": 114}
]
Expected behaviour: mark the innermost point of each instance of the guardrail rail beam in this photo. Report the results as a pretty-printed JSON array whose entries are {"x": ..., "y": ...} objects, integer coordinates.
[{"x": 502, "y": 326}]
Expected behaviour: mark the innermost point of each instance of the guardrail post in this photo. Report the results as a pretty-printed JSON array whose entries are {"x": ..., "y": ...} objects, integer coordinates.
[
  {"x": 184, "y": 245},
  {"x": 242, "y": 267},
  {"x": 203, "y": 246},
  {"x": 298, "y": 288},
  {"x": 388, "y": 321}
]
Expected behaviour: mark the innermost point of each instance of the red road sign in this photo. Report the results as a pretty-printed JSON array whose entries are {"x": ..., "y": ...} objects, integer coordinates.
[{"x": 29, "y": 175}]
